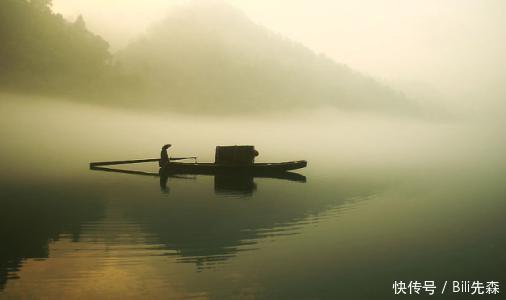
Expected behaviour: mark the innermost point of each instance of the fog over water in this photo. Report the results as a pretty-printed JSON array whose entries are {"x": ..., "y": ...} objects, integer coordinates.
[
  {"x": 385, "y": 199},
  {"x": 453, "y": 50},
  {"x": 59, "y": 131},
  {"x": 406, "y": 174}
]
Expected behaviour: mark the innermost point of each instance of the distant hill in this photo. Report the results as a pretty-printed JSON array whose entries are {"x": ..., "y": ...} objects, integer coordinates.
[
  {"x": 204, "y": 57},
  {"x": 42, "y": 52},
  {"x": 210, "y": 57}
]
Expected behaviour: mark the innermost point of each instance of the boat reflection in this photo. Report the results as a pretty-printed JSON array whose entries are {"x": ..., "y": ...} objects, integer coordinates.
[
  {"x": 208, "y": 230},
  {"x": 228, "y": 184},
  {"x": 191, "y": 226},
  {"x": 204, "y": 234},
  {"x": 225, "y": 183}
]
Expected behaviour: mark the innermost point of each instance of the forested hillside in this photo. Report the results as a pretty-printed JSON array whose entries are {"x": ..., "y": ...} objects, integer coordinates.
[
  {"x": 40, "y": 51},
  {"x": 210, "y": 56},
  {"x": 204, "y": 57}
]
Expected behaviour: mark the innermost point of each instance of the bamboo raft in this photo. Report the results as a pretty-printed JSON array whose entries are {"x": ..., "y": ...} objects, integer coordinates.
[{"x": 228, "y": 159}]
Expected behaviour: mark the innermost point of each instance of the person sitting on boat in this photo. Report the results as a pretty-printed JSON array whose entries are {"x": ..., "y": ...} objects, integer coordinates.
[{"x": 164, "y": 156}]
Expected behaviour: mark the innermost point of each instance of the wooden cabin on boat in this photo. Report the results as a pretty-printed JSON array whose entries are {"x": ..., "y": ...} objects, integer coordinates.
[{"x": 235, "y": 155}]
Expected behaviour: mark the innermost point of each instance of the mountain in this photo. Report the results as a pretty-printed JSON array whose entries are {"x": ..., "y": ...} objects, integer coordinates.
[
  {"x": 210, "y": 57},
  {"x": 42, "y": 52}
]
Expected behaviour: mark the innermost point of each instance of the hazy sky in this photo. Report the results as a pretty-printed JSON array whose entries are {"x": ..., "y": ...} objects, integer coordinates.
[{"x": 455, "y": 46}]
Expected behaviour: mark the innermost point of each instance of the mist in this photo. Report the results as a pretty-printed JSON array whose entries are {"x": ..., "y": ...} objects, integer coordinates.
[
  {"x": 407, "y": 67},
  {"x": 447, "y": 52},
  {"x": 368, "y": 141},
  {"x": 315, "y": 67},
  {"x": 64, "y": 132}
]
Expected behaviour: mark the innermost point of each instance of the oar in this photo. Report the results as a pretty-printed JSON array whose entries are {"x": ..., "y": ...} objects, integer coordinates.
[
  {"x": 135, "y": 161},
  {"x": 121, "y": 162},
  {"x": 181, "y": 158}
]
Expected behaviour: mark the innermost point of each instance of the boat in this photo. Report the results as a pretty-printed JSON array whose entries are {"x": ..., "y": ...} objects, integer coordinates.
[
  {"x": 236, "y": 160},
  {"x": 256, "y": 169}
]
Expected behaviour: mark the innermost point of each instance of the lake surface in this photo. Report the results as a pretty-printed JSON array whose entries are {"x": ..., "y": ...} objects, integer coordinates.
[{"x": 385, "y": 199}]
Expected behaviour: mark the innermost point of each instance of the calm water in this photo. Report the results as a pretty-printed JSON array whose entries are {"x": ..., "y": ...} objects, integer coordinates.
[{"x": 383, "y": 200}]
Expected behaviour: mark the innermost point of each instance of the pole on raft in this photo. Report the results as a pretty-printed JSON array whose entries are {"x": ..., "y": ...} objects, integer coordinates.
[
  {"x": 121, "y": 162},
  {"x": 135, "y": 161}
]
